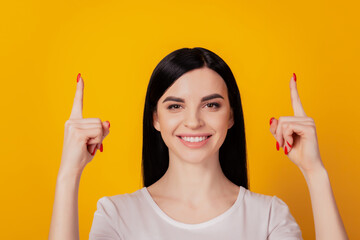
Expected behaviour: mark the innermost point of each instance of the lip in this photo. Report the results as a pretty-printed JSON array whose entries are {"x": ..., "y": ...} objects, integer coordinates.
[
  {"x": 194, "y": 135},
  {"x": 194, "y": 144}
]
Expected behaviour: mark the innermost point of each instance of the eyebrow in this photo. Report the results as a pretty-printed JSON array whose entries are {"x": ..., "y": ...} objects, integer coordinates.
[{"x": 206, "y": 98}]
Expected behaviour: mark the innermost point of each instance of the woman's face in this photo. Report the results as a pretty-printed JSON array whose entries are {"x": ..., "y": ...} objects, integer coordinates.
[{"x": 195, "y": 107}]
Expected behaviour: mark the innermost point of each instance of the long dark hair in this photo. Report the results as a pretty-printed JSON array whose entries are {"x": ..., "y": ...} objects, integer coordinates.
[{"x": 155, "y": 155}]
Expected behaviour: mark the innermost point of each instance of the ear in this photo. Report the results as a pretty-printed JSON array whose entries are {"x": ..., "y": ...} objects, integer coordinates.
[
  {"x": 231, "y": 119},
  {"x": 156, "y": 121}
]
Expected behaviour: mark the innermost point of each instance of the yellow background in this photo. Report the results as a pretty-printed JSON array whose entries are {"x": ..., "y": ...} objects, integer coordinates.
[{"x": 115, "y": 45}]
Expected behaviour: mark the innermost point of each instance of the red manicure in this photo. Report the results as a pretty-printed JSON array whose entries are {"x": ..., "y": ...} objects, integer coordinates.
[
  {"x": 78, "y": 77},
  {"x": 94, "y": 151},
  {"x": 101, "y": 147},
  {"x": 286, "y": 152},
  {"x": 271, "y": 120},
  {"x": 289, "y": 143},
  {"x": 109, "y": 123},
  {"x": 294, "y": 76},
  {"x": 277, "y": 146}
]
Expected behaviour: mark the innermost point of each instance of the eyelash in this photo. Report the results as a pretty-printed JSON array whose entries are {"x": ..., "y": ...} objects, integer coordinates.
[{"x": 212, "y": 103}]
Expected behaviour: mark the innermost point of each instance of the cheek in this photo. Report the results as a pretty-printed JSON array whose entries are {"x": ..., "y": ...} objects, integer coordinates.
[
  {"x": 219, "y": 120},
  {"x": 168, "y": 123}
]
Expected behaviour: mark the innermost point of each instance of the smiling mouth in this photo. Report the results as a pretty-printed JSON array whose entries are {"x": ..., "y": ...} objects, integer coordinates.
[{"x": 194, "y": 139}]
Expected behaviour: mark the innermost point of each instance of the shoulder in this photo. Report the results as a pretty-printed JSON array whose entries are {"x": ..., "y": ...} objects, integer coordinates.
[
  {"x": 121, "y": 200},
  {"x": 122, "y": 204},
  {"x": 263, "y": 200},
  {"x": 257, "y": 200},
  {"x": 112, "y": 212},
  {"x": 254, "y": 205},
  {"x": 248, "y": 194},
  {"x": 264, "y": 203},
  {"x": 272, "y": 206},
  {"x": 279, "y": 220}
]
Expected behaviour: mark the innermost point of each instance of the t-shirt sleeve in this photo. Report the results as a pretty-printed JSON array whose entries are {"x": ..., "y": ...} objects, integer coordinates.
[
  {"x": 103, "y": 225},
  {"x": 282, "y": 225}
]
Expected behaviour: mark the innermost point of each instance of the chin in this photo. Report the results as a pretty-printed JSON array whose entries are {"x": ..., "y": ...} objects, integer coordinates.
[{"x": 194, "y": 157}]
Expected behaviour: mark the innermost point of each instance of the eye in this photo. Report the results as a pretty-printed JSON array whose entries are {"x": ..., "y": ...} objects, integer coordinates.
[
  {"x": 213, "y": 105},
  {"x": 173, "y": 106}
]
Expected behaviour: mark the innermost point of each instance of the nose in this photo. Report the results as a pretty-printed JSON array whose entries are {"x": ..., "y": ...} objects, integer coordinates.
[{"x": 193, "y": 119}]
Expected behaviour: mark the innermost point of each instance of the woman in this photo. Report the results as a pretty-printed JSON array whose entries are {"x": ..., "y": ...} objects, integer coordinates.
[{"x": 194, "y": 164}]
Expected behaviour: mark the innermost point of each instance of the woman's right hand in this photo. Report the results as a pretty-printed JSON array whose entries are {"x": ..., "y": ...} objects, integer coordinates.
[{"x": 83, "y": 136}]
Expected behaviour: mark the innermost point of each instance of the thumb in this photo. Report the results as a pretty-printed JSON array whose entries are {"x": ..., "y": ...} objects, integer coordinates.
[
  {"x": 93, "y": 147},
  {"x": 106, "y": 126},
  {"x": 288, "y": 139}
]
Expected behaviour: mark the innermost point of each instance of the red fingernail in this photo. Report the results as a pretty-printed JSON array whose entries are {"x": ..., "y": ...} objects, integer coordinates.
[
  {"x": 78, "y": 77},
  {"x": 277, "y": 146},
  {"x": 294, "y": 76},
  {"x": 101, "y": 147},
  {"x": 109, "y": 123},
  {"x": 271, "y": 120},
  {"x": 94, "y": 151},
  {"x": 289, "y": 143},
  {"x": 286, "y": 152}
]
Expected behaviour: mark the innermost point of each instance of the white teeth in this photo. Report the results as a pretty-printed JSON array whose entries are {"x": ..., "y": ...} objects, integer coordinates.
[{"x": 194, "y": 139}]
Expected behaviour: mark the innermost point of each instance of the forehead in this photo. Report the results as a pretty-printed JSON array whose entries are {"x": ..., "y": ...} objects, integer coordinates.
[{"x": 197, "y": 83}]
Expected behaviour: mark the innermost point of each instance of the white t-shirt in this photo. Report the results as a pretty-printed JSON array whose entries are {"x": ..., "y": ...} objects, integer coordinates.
[{"x": 136, "y": 216}]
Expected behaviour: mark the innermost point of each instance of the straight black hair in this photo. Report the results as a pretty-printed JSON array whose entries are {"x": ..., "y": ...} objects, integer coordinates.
[{"x": 155, "y": 154}]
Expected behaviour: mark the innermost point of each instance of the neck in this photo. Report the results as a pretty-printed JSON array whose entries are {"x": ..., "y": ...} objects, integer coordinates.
[{"x": 194, "y": 182}]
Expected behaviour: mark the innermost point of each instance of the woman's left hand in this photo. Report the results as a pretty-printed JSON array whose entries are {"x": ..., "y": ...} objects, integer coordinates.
[{"x": 297, "y": 135}]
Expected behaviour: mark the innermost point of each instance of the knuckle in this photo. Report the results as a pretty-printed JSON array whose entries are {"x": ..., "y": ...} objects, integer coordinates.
[
  {"x": 99, "y": 131},
  {"x": 71, "y": 127},
  {"x": 277, "y": 135},
  {"x": 285, "y": 131},
  {"x": 67, "y": 123},
  {"x": 98, "y": 120},
  {"x": 74, "y": 132}
]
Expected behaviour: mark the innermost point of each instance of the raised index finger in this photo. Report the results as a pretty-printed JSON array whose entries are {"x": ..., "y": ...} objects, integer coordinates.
[
  {"x": 76, "y": 112},
  {"x": 295, "y": 99}
]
